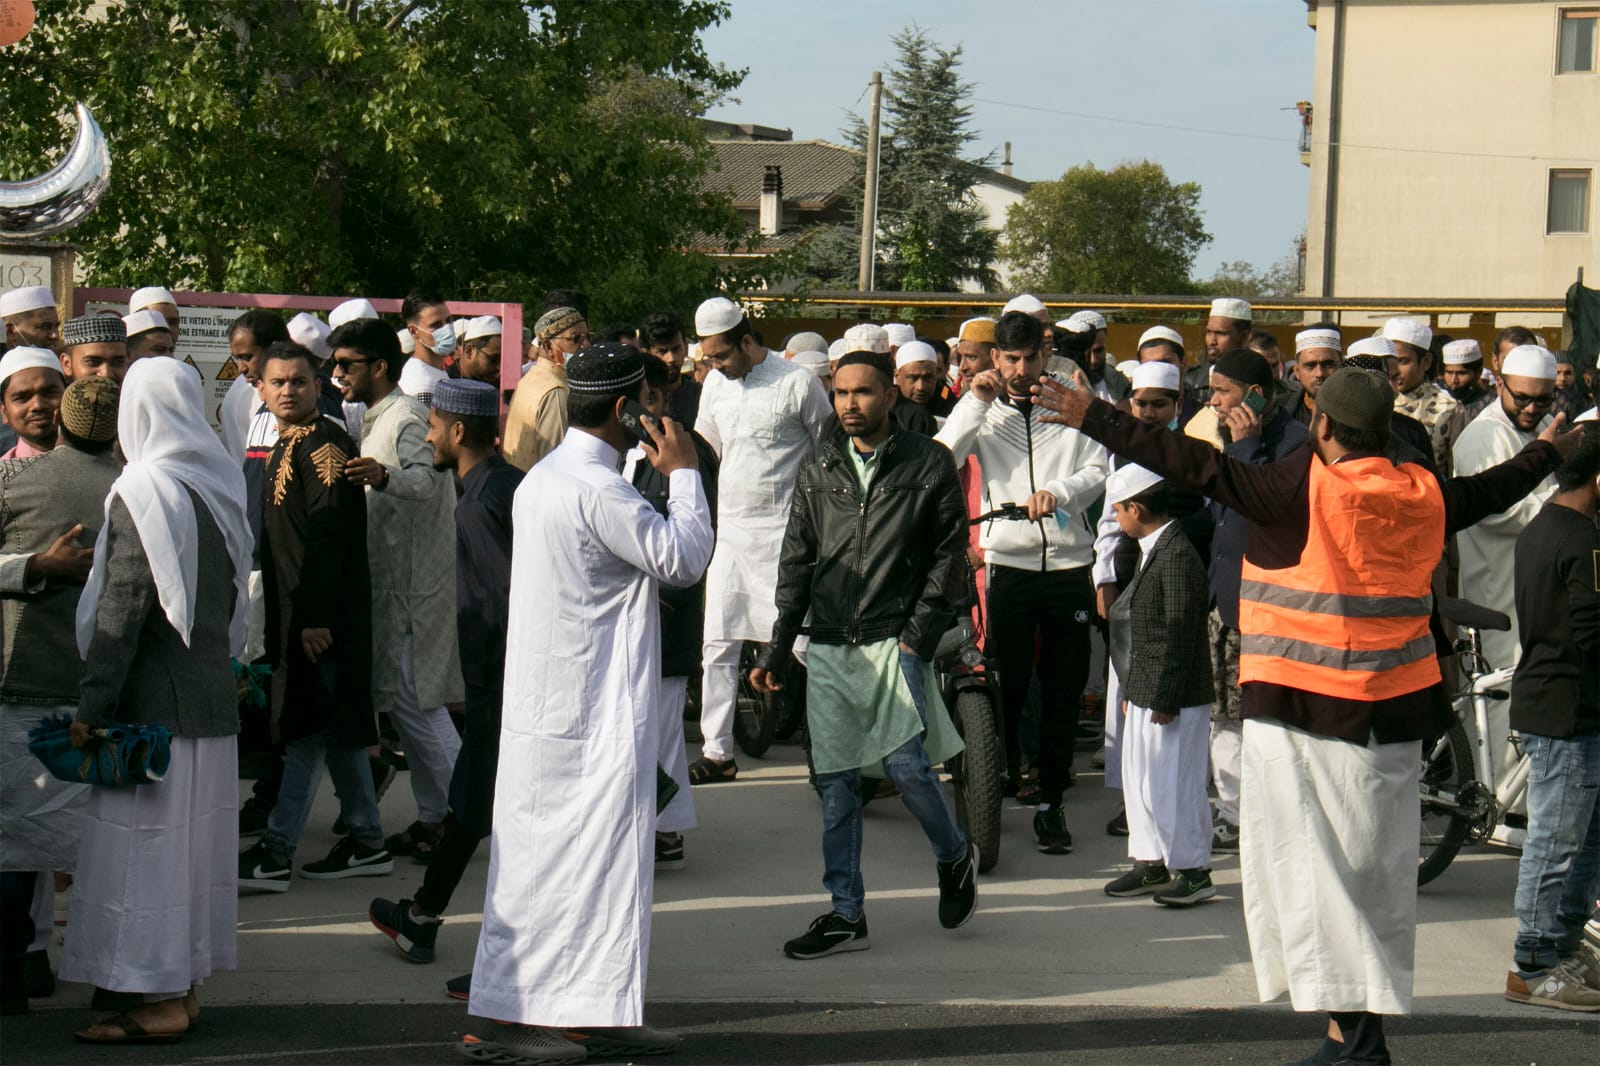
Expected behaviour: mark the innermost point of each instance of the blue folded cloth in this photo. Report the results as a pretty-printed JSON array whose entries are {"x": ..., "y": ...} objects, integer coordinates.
[{"x": 116, "y": 756}]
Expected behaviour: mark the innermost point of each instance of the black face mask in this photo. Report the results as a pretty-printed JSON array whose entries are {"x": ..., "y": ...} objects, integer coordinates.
[{"x": 1467, "y": 393}]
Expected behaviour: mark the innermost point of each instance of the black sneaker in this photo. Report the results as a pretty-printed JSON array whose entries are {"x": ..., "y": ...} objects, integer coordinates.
[
  {"x": 1050, "y": 831},
  {"x": 253, "y": 815},
  {"x": 349, "y": 858},
  {"x": 958, "y": 889},
  {"x": 41, "y": 981},
  {"x": 1224, "y": 835},
  {"x": 413, "y": 936},
  {"x": 1188, "y": 888},
  {"x": 669, "y": 851},
  {"x": 459, "y": 987},
  {"x": 1145, "y": 878},
  {"x": 1118, "y": 826},
  {"x": 263, "y": 869},
  {"x": 829, "y": 935}
]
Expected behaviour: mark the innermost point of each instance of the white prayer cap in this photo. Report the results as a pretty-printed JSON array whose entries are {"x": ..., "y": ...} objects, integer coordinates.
[
  {"x": 306, "y": 330},
  {"x": 149, "y": 296},
  {"x": 814, "y": 361},
  {"x": 807, "y": 342},
  {"x": 1408, "y": 331},
  {"x": 717, "y": 315},
  {"x": 1075, "y": 325},
  {"x": 351, "y": 310},
  {"x": 1027, "y": 303},
  {"x": 866, "y": 337},
  {"x": 1127, "y": 481},
  {"x": 900, "y": 333},
  {"x": 1095, "y": 319},
  {"x": 478, "y": 328},
  {"x": 1308, "y": 339},
  {"x": 1161, "y": 333},
  {"x": 915, "y": 352},
  {"x": 1529, "y": 361},
  {"x": 29, "y": 298},
  {"x": 408, "y": 343},
  {"x": 26, "y": 358},
  {"x": 147, "y": 320},
  {"x": 1462, "y": 352},
  {"x": 1156, "y": 375},
  {"x": 837, "y": 350},
  {"x": 1229, "y": 307},
  {"x": 1127, "y": 367},
  {"x": 1380, "y": 347}
]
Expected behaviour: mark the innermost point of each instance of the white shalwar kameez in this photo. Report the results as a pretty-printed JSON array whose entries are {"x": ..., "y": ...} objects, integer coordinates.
[
  {"x": 1164, "y": 771},
  {"x": 762, "y": 427},
  {"x": 566, "y": 915}
]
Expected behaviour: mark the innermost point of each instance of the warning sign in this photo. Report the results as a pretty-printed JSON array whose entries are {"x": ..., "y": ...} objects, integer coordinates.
[{"x": 202, "y": 343}]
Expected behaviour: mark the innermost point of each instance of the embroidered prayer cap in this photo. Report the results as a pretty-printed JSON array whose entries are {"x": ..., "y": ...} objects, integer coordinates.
[
  {"x": 89, "y": 409},
  {"x": 311, "y": 333},
  {"x": 1245, "y": 367},
  {"x": 806, "y": 342},
  {"x": 149, "y": 296},
  {"x": 27, "y": 298},
  {"x": 349, "y": 311},
  {"x": 866, "y": 337},
  {"x": 483, "y": 326},
  {"x": 814, "y": 361},
  {"x": 144, "y": 321},
  {"x": 1371, "y": 346},
  {"x": 26, "y": 358},
  {"x": 1095, "y": 319},
  {"x": 466, "y": 397},
  {"x": 1308, "y": 339},
  {"x": 556, "y": 321},
  {"x": 605, "y": 367},
  {"x": 716, "y": 315},
  {"x": 1529, "y": 361},
  {"x": 915, "y": 352},
  {"x": 1462, "y": 352},
  {"x": 899, "y": 333},
  {"x": 1156, "y": 375},
  {"x": 1356, "y": 397},
  {"x": 1408, "y": 331},
  {"x": 1128, "y": 481},
  {"x": 836, "y": 350},
  {"x": 979, "y": 330},
  {"x": 1027, "y": 303},
  {"x": 94, "y": 329},
  {"x": 1230, "y": 307},
  {"x": 1161, "y": 334},
  {"x": 1076, "y": 325}
]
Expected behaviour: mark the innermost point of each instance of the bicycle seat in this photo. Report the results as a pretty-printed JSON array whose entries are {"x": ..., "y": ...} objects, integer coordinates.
[{"x": 1469, "y": 614}]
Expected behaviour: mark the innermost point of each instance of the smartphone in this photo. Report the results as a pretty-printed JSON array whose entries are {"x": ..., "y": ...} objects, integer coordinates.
[
  {"x": 634, "y": 417},
  {"x": 1256, "y": 402}
]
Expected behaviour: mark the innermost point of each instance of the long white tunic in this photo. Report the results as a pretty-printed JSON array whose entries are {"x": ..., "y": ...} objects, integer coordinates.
[
  {"x": 566, "y": 913},
  {"x": 1487, "y": 548},
  {"x": 762, "y": 427}
]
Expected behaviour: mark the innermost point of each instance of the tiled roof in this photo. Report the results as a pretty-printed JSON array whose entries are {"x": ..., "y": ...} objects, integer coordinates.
[
  {"x": 764, "y": 245},
  {"x": 813, "y": 171}
]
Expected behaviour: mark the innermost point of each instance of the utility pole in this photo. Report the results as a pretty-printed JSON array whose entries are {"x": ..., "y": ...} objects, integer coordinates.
[{"x": 869, "y": 195}]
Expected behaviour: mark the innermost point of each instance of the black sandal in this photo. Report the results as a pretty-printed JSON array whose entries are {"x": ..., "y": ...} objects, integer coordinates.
[
  {"x": 132, "y": 1033},
  {"x": 707, "y": 771},
  {"x": 418, "y": 841}
]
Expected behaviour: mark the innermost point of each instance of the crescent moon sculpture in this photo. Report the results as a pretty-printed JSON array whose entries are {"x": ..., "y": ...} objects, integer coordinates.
[{"x": 63, "y": 197}]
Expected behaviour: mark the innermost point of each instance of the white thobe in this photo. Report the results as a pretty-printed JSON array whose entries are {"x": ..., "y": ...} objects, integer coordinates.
[
  {"x": 566, "y": 913},
  {"x": 762, "y": 427},
  {"x": 1487, "y": 548}
]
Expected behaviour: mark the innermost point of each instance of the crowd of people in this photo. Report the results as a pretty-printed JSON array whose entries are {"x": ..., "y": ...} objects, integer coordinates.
[{"x": 1239, "y": 548}]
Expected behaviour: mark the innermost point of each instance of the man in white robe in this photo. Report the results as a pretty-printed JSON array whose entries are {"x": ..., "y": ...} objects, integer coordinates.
[
  {"x": 763, "y": 416},
  {"x": 566, "y": 915}
]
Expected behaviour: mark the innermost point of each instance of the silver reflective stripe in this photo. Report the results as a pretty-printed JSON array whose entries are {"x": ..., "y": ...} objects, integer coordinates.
[
  {"x": 1304, "y": 651},
  {"x": 1336, "y": 603}
]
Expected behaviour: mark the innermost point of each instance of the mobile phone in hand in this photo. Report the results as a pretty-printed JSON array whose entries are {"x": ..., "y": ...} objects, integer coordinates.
[
  {"x": 634, "y": 417},
  {"x": 1256, "y": 402}
]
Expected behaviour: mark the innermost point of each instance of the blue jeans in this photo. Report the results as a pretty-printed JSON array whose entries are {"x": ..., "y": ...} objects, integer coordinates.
[
  {"x": 908, "y": 767},
  {"x": 1559, "y": 875},
  {"x": 302, "y": 776}
]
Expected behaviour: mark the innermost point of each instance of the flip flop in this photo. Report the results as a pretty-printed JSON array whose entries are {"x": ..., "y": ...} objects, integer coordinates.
[{"x": 132, "y": 1033}]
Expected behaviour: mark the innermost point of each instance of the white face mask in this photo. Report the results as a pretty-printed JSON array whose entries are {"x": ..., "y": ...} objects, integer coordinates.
[{"x": 444, "y": 338}]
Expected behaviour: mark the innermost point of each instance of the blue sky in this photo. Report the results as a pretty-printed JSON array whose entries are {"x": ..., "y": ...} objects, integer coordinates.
[{"x": 1226, "y": 66}]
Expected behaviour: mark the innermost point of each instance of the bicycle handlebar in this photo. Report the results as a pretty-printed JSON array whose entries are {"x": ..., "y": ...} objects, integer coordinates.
[{"x": 1007, "y": 512}]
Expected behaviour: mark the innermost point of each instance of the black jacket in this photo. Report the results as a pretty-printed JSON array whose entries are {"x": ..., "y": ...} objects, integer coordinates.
[
  {"x": 683, "y": 614},
  {"x": 1280, "y": 435},
  {"x": 1165, "y": 611},
  {"x": 888, "y": 564},
  {"x": 1556, "y": 690}
]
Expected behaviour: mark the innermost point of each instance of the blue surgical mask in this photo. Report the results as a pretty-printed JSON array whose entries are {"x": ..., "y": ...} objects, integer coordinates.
[
  {"x": 444, "y": 339},
  {"x": 1173, "y": 425}
]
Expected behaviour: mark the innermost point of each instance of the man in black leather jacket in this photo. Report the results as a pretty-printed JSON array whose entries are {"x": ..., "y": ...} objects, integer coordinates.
[{"x": 875, "y": 550}]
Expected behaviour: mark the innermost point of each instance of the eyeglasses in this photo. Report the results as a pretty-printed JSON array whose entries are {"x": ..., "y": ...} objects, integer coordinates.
[
  {"x": 344, "y": 365},
  {"x": 1538, "y": 403},
  {"x": 578, "y": 340}
]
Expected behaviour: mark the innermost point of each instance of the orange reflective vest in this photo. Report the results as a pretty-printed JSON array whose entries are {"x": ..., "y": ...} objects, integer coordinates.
[{"x": 1351, "y": 618}]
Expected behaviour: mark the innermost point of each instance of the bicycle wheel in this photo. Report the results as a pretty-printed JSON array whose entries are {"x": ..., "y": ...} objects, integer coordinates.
[
  {"x": 756, "y": 714},
  {"x": 1447, "y": 768},
  {"x": 793, "y": 698},
  {"x": 977, "y": 773}
]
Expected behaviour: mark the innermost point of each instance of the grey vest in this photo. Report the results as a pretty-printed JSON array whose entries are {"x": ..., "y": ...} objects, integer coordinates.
[{"x": 40, "y": 499}]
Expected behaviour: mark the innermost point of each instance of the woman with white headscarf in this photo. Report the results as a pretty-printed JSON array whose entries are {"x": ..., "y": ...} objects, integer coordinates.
[{"x": 154, "y": 903}]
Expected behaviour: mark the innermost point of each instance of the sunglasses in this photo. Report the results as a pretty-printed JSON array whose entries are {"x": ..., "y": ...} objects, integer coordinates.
[
  {"x": 1538, "y": 403},
  {"x": 343, "y": 365}
]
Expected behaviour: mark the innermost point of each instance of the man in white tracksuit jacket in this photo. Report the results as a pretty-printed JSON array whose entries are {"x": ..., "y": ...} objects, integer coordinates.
[{"x": 1041, "y": 599}]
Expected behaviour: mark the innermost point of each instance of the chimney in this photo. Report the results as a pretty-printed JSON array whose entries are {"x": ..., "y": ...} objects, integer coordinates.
[
  {"x": 772, "y": 201},
  {"x": 1005, "y": 165}
]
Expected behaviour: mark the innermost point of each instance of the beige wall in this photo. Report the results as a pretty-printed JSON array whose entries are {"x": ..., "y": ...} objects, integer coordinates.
[{"x": 1474, "y": 84}]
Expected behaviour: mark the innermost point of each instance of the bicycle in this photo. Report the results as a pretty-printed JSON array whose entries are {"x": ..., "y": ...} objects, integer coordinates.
[{"x": 1467, "y": 796}]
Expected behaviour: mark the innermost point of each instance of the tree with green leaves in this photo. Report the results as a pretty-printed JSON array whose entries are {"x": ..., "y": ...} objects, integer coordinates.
[
  {"x": 490, "y": 150},
  {"x": 1129, "y": 230}
]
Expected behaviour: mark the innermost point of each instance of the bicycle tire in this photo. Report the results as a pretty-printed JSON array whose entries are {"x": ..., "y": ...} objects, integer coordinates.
[
  {"x": 755, "y": 714},
  {"x": 792, "y": 717},
  {"x": 978, "y": 773},
  {"x": 1447, "y": 763}
]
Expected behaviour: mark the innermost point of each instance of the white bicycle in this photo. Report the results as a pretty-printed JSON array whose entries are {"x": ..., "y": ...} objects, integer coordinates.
[{"x": 1474, "y": 788}]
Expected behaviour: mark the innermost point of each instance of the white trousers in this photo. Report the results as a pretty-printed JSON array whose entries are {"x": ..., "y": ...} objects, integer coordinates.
[
  {"x": 674, "y": 757},
  {"x": 1227, "y": 738},
  {"x": 431, "y": 742},
  {"x": 719, "y": 695},
  {"x": 1164, "y": 788},
  {"x": 1116, "y": 726}
]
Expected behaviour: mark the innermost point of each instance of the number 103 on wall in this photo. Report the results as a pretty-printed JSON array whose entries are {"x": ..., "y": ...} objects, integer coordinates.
[{"x": 17, "y": 271}]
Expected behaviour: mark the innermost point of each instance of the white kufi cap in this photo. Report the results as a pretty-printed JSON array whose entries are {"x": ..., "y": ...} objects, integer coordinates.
[
  {"x": 1379, "y": 346},
  {"x": 1161, "y": 333},
  {"x": 1462, "y": 352},
  {"x": 837, "y": 350},
  {"x": 1075, "y": 325},
  {"x": 483, "y": 326},
  {"x": 26, "y": 358},
  {"x": 807, "y": 342},
  {"x": 716, "y": 315},
  {"x": 147, "y": 320},
  {"x": 30, "y": 298},
  {"x": 915, "y": 352},
  {"x": 1230, "y": 307},
  {"x": 1127, "y": 481},
  {"x": 1408, "y": 331},
  {"x": 866, "y": 337},
  {"x": 1156, "y": 375},
  {"x": 900, "y": 333},
  {"x": 814, "y": 361},
  {"x": 1027, "y": 303},
  {"x": 1127, "y": 367},
  {"x": 308, "y": 331},
  {"x": 1095, "y": 319},
  {"x": 351, "y": 310},
  {"x": 1529, "y": 361},
  {"x": 1308, "y": 339},
  {"x": 149, "y": 296}
]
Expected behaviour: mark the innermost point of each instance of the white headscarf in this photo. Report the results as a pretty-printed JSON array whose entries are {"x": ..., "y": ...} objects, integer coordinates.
[{"x": 161, "y": 425}]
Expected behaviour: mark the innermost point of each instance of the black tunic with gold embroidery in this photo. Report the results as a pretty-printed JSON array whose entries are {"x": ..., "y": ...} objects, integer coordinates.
[{"x": 314, "y": 569}]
